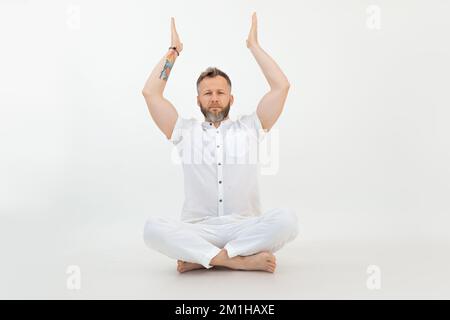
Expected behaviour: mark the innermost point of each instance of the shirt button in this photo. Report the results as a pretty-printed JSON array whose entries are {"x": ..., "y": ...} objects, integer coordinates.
[
  {"x": 219, "y": 163},
  {"x": 220, "y": 181},
  {"x": 217, "y": 131},
  {"x": 210, "y": 123},
  {"x": 220, "y": 200},
  {"x": 218, "y": 146}
]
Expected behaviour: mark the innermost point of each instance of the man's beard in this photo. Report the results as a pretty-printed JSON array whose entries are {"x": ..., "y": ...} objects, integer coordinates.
[{"x": 214, "y": 116}]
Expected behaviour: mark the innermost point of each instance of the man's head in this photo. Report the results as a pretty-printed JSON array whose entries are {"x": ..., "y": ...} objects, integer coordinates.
[{"x": 214, "y": 94}]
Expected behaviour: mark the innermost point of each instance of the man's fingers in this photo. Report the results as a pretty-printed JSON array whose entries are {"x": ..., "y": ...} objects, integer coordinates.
[
  {"x": 254, "y": 23},
  {"x": 174, "y": 29},
  {"x": 175, "y": 40},
  {"x": 254, "y": 20}
]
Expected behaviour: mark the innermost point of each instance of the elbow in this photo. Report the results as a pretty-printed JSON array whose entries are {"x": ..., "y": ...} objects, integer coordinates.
[
  {"x": 149, "y": 93},
  {"x": 282, "y": 87}
]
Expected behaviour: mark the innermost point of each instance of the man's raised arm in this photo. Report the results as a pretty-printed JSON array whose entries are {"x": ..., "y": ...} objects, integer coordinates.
[
  {"x": 162, "y": 111},
  {"x": 271, "y": 105}
]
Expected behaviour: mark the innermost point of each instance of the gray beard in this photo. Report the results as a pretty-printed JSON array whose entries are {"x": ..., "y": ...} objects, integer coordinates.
[{"x": 215, "y": 117}]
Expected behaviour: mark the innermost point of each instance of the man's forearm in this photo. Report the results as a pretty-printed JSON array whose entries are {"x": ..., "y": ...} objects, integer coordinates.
[
  {"x": 157, "y": 80},
  {"x": 275, "y": 77}
]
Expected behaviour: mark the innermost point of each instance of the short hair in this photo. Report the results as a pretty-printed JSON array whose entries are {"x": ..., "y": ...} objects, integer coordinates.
[{"x": 212, "y": 72}]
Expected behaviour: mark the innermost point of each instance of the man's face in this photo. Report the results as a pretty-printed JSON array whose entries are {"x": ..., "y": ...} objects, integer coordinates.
[{"x": 214, "y": 98}]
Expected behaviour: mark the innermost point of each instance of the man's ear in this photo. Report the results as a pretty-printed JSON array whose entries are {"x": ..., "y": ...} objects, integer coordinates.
[
  {"x": 231, "y": 100},
  {"x": 198, "y": 102}
]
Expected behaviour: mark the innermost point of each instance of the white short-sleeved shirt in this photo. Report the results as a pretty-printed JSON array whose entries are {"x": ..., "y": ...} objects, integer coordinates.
[{"x": 220, "y": 166}]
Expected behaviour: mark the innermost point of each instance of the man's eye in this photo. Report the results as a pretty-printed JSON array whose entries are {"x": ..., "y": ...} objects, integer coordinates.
[{"x": 208, "y": 93}]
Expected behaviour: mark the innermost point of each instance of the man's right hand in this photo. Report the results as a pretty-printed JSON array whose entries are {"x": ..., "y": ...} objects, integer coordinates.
[{"x": 175, "y": 41}]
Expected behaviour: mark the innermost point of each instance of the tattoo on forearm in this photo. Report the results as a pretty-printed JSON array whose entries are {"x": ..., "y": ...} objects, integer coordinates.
[{"x": 170, "y": 59}]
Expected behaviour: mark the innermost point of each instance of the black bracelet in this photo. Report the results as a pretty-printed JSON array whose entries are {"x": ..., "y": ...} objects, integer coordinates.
[{"x": 175, "y": 48}]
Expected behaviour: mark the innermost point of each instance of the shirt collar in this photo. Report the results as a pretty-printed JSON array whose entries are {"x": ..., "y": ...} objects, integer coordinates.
[{"x": 210, "y": 125}]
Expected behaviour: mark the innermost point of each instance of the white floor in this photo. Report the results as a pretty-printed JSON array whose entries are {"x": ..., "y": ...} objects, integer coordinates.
[{"x": 34, "y": 265}]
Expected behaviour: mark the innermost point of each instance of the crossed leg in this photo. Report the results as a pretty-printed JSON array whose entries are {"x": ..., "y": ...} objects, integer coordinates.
[
  {"x": 253, "y": 242},
  {"x": 249, "y": 246},
  {"x": 262, "y": 261}
]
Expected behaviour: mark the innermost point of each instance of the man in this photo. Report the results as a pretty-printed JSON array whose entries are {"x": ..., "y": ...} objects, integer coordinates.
[{"x": 221, "y": 222}]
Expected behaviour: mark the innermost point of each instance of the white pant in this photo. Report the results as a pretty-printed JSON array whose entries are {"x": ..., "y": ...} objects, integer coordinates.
[{"x": 199, "y": 242}]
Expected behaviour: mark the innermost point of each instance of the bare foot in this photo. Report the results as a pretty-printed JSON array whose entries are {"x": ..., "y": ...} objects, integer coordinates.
[
  {"x": 263, "y": 261},
  {"x": 184, "y": 266}
]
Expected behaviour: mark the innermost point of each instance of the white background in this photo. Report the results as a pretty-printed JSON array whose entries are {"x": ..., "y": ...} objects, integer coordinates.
[{"x": 364, "y": 143}]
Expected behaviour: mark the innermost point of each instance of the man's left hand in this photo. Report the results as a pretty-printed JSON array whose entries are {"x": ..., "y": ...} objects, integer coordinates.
[{"x": 252, "y": 40}]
